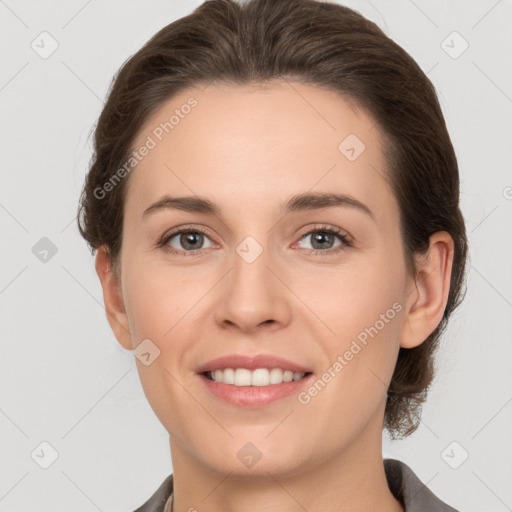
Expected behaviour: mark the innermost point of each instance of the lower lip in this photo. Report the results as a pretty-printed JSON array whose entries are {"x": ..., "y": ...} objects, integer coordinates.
[{"x": 254, "y": 396}]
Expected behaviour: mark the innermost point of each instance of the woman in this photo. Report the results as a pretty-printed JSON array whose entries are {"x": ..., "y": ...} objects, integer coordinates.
[{"x": 274, "y": 202}]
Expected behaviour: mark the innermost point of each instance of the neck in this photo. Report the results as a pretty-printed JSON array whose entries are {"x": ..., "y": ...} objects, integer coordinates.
[{"x": 351, "y": 480}]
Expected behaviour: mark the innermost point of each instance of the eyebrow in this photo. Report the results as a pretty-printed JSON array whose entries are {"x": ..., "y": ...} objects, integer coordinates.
[{"x": 299, "y": 202}]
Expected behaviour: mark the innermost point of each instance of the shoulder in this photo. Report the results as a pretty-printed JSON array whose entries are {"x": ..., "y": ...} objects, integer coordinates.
[
  {"x": 157, "y": 501},
  {"x": 410, "y": 490}
]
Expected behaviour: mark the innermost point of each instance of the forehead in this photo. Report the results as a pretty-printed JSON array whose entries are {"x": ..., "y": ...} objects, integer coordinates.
[{"x": 255, "y": 143}]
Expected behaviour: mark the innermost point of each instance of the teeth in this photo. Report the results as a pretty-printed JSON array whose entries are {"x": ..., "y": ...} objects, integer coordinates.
[
  {"x": 258, "y": 377},
  {"x": 242, "y": 377}
]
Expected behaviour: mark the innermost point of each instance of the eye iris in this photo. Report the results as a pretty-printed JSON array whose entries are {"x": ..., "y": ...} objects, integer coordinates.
[
  {"x": 191, "y": 240},
  {"x": 322, "y": 237}
]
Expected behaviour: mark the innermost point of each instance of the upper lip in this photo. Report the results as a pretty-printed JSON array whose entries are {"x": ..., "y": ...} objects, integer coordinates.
[{"x": 251, "y": 363}]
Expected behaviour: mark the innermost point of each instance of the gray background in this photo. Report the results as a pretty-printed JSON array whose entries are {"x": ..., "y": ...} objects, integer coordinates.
[{"x": 65, "y": 379}]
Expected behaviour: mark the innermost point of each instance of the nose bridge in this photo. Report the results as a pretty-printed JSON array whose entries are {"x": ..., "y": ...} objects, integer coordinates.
[{"x": 252, "y": 295}]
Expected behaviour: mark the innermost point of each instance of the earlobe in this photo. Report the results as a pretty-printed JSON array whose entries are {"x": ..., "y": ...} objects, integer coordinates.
[
  {"x": 426, "y": 302},
  {"x": 113, "y": 299}
]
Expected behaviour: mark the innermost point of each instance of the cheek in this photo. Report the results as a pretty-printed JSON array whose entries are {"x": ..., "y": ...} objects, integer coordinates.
[
  {"x": 353, "y": 298},
  {"x": 364, "y": 310},
  {"x": 363, "y": 307},
  {"x": 157, "y": 298}
]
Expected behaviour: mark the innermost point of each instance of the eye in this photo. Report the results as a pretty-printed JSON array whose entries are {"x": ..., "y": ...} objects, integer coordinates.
[
  {"x": 186, "y": 241},
  {"x": 322, "y": 240},
  {"x": 190, "y": 241}
]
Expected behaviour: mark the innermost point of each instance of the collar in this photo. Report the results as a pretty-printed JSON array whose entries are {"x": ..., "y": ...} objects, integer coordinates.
[{"x": 407, "y": 488}]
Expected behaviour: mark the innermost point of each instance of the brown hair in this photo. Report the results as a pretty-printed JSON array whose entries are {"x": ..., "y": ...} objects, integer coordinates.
[{"x": 318, "y": 43}]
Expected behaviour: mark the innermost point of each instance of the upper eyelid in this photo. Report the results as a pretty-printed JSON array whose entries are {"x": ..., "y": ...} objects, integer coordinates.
[{"x": 308, "y": 230}]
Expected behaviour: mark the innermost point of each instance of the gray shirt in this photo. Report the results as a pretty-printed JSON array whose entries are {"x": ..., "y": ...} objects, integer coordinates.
[{"x": 403, "y": 483}]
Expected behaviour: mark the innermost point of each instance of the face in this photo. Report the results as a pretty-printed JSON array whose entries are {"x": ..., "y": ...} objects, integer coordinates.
[{"x": 320, "y": 283}]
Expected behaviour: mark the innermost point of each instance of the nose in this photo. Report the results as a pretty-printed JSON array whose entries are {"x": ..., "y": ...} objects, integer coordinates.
[{"x": 252, "y": 296}]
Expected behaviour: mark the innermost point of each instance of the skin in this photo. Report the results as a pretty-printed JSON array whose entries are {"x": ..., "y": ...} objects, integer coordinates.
[{"x": 248, "y": 149}]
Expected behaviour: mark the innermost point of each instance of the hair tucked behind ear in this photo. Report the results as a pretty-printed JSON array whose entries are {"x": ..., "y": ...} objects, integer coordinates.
[{"x": 317, "y": 43}]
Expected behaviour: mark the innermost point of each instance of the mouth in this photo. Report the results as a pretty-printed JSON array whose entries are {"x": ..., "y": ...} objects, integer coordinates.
[
  {"x": 259, "y": 377},
  {"x": 253, "y": 381}
]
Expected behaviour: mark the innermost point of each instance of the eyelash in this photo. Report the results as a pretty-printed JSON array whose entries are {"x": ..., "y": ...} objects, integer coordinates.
[{"x": 346, "y": 242}]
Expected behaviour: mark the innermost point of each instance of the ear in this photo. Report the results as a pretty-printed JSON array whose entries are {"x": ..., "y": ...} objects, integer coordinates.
[
  {"x": 113, "y": 298},
  {"x": 426, "y": 303}
]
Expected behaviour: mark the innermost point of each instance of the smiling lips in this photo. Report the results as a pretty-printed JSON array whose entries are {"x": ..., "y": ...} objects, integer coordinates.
[{"x": 252, "y": 381}]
